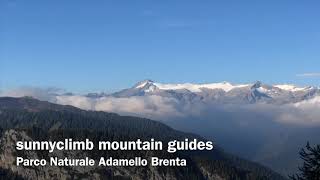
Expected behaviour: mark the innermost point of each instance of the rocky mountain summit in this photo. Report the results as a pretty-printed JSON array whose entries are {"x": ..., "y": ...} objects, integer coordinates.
[{"x": 223, "y": 92}]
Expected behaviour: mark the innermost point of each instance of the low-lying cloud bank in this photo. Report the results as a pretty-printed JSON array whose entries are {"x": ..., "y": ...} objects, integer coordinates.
[
  {"x": 151, "y": 106},
  {"x": 270, "y": 134},
  {"x": 165, "y": 108},
  {"x": 47, "y": 94}
]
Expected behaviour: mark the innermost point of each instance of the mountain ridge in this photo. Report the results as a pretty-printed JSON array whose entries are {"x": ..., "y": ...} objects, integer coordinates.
[
  {"x": 225, "y": 85},
  {"x": 149, "y": 86},
  {"x": 223, "y": 92},
  {"x": 34, "y": 119},
  {"x": 254, "y": 115}
]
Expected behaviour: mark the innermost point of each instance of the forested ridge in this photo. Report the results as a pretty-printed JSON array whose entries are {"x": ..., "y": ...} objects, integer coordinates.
[{"x": 45, "y": 121}]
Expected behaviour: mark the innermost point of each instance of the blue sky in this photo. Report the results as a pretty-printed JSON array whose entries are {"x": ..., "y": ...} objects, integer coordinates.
[{"x": 109, "y": 45}]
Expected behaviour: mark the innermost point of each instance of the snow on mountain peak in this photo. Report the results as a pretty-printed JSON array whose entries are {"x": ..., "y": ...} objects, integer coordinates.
[
  {"x": 149, "y": 86},
  {"x": 225, "y": 86},
  {"x": 143, "y": 84},
  {"x": 290, "y": 87}
]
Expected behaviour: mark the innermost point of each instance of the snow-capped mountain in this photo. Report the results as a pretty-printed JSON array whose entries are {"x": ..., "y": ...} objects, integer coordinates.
[
  {"x": 255, "y": 114},
  {"x": 149, "y": 85},
  {"x": 253, "y": 120},
  {"x": 223, "y": 92}
]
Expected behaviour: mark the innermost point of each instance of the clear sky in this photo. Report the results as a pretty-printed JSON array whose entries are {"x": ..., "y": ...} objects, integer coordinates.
[{"x": 102, "y": 45}]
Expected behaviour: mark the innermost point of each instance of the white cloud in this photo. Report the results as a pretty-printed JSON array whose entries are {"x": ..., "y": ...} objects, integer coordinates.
[
  {"x": 168, "y": 108},
  {"x": 47, "y": 94},
  {"x": 81, "y": 102},
  {"x": 309, "y": 75},
  {"x": 306, "y": 112},
  {"x": 150, "y": 106}
]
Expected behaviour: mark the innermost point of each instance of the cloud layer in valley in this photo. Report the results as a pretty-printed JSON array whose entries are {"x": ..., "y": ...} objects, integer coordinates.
[
  {"x": 270, "y": 134},
  {"x": 165, "y": 108}
]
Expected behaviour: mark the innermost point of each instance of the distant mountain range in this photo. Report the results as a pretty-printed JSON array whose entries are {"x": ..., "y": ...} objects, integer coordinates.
[
  {"x": 30, "y": 119},
  {"x": 223, "y": 92},
  {"x": 257, "y": 121}
]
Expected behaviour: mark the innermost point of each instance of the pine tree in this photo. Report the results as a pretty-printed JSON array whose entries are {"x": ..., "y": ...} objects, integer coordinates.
[{"x": 310, "y": 169}]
